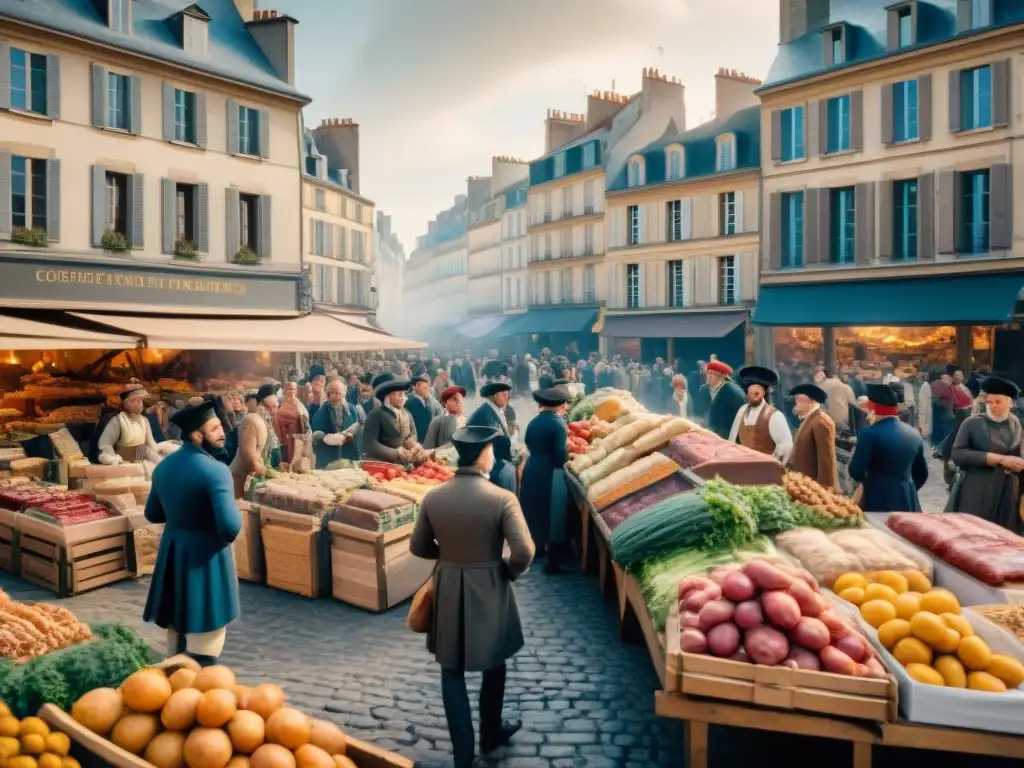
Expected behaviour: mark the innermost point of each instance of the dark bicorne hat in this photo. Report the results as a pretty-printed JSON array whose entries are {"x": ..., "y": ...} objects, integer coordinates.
[
  {"x": 265, "y": 391},
  {"x": 882, "y": 394},
  {"x": 193, "y": 417},
  {"x": 756, "y": 374},
  {"x": 552, "y": 396},
  {"x": 494, "y": 387},
  {"x": 993, "y": 385},
  {"x": 813, "y": 391}
]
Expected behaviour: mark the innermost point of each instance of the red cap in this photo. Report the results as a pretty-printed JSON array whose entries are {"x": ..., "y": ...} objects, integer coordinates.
[
  {"x": 449, "y": 393},
  {"x": 717, "y": 366}
]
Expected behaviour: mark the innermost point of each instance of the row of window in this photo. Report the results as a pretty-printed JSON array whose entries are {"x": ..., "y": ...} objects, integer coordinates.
[
  {"x": 675, "y": 169},
  {"x": 978, "y": 98},
  {"x": 728, "y": 283},
  {"x": 543, "y": 250},
  {"x": 334, "y": 241},
  {"x": 558, "y": 287},
  {"x": 821, "y": 225},
  {"x": 589, "y": 160},
  {"x": 356, "y": 209},
  {"x": 678, "y": 219},
  {"x": 513, "y": 225},
  {"x": 568, "y": 209},
  {"x": 335, "y": 285}
]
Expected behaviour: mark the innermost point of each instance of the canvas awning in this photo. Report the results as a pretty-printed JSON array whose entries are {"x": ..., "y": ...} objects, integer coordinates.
[
  {"x": 479, "y": 327},
  {"x": 315, "y": 332},
  {"x": 559, "y": 320},
  {"x": 673, "y": 325},
  {"x": 18, "y": 333}
]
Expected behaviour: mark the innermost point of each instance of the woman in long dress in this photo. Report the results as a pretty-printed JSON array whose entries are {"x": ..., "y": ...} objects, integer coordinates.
[
  {"x": 987, "y": 453},
  {"x": 543, "y": 492}
]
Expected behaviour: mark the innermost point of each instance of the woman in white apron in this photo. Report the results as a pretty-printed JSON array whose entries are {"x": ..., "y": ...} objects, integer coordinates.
[{"x": 128, "y": 437}]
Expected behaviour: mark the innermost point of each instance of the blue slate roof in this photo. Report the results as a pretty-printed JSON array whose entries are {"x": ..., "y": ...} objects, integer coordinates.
[
  {"x": 543, "y": 170},
  {"x": 515, "y": 197},
  {"x": 866, "y": 37},
  {"x": 700, "y": 152},
  {"x": 233, "y": 52}
]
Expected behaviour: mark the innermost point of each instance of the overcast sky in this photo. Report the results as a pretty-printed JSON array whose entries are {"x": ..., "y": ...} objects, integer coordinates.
[{"x": 438, "y": 87}]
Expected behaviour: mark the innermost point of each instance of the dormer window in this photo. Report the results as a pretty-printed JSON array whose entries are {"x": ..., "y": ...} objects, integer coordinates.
[
  {"x": 902, "y": 25},
  {"x": 559, "y": 165},
  {"x": 726, "y": 153},
  {"x": 834, "y": 42},
  {"x": 973, "y": 14},
  {"x": 635, "y": 172},
  {"x": 190, "y": 26},
  {"x": 673, "y": 162},
  {"x": 119, "y": 15}
]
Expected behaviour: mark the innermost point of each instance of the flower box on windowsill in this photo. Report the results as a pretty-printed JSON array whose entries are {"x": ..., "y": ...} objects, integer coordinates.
[
  {"x": 114, "y": 241},
  {"x": 26, "y": 236},
  {"x": 246, "y": 258},
  {"x": 185, "y": 251}
]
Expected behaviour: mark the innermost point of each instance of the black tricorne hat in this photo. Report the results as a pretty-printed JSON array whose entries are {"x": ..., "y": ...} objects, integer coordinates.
[
  {"x": 813, "y": 391},
  {"x": 265, "y": 391},
  {"x": 494, "y": 387},
  {"x": 993, "y": 385},
  {"x": 193, "y": 417},
  {"x": 882, "y": 394},
  {"x": 552, "y": 396},
  {"x": 756, "y": 374}
]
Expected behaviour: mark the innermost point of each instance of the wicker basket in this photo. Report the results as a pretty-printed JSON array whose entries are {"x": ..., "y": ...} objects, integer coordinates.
[
  {"x": 292, "y": 558},
  {"x": 146, "y": 541}
]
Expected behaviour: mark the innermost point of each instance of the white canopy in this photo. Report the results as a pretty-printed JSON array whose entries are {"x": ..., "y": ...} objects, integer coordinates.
[
  {"x": 16, "y": 333},
  {"x": 315, "y": 332}
]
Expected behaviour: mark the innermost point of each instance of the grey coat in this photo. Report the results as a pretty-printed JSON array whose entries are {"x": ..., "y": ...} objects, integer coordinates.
[
  {"x": 464, "y": 525},
  {"x": 441, "y": 430},
  {"x": 988, "y": 492},
  {"x": 384, "y": 433}
]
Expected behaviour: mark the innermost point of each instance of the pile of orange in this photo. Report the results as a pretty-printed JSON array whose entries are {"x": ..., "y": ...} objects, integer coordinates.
[{"x": 29, "y": 743}]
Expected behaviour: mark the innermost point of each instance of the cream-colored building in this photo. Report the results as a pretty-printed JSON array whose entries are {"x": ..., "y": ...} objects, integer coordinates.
[
  {"x": 389, "y": 273},
  {"x": 483, "y": 257},
  {"x": 683, "y": 246},
  {"x": 892, "y": 184},
  {"x": 337, "y": 221},
  {"x": 149, "y": 160},
  {"x": 515, "y": 251}
]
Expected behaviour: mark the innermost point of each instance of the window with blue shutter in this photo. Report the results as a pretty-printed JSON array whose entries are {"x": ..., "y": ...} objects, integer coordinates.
[
  {"x": 905, "y": 111},
  {"x": 974, "y": 203},
  {"x": 843, "y": 225},
  {"x": 792, "y": 123},
  {"x": 29, "y": 187},
  {"x": 727, "y": 213},
  {"x": 728, "y": 289},
  {"x": 119, "y": 97},
  {"x": 28, "y": 81},
  {"x": 838, "y": 124},
  {"x": 248, "y": 131},
  {"x": 633, "y": 224},
  {"x": 184, "y": 116},
  {"x": 904, "y": 224},
  {"x": 976, "y": 98},
  {"x": 792, "y": 229}
]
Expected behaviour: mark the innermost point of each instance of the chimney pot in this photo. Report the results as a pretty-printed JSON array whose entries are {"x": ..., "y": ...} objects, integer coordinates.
[{"x": 273, "y": 14}]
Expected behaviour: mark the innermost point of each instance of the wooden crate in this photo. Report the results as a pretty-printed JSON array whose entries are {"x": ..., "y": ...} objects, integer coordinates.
[
  {"x": 701, "y": 675},
  {"x": 73, "y": 559},
  {"x": 372, "y": 570},
  {"x": 8, "y": 542},
  {"x": 250, "y": 563},
  {"x": 292, "y": 547}
]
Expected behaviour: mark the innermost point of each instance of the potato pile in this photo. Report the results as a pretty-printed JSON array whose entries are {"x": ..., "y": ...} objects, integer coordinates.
[
  {"x": 804, "y": 490},
  {"x": 29, "y": 743},
  {"x": 205, "y": 719}
]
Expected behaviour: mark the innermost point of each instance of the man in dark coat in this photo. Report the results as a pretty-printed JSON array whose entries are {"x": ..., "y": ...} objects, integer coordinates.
[
  {"x": 194, "y": 590},
  {"x": 521, "y": 376},
  {"x": 464, "y": 525},
  {"x": 389, "y": 434},
  {"x": 889, "y": 459},
  {"x": 726, "y": 398},
  {"x": 491, "y": 413},
  {"x": 422, "y": 406}
]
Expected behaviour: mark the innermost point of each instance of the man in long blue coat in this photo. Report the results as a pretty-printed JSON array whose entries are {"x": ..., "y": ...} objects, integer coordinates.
[
  {"x": 889, "y": 458},
  {"x": 194, "y": 591},
  {"x": 491, "y": 413},
  {"x": 422, "y": 406}
]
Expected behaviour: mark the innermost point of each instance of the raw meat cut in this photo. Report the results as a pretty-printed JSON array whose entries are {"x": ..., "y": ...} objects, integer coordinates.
[{"x": 709, "y": 456}]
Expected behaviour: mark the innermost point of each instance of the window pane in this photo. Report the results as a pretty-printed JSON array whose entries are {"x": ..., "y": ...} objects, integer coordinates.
[
  {"x": 19, "y": 79},
  {"x": 38, "y": 101},
  {"x": 905, "y": 29},
  {"x": 39, "y": 194},
  {"x": 905, "y": 220},
  {"x": 19, "y": 191}
]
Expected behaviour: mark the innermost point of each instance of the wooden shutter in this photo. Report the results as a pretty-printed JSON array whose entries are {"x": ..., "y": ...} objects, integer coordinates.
[
  {"x": 137, "y": 195},
  {"x": 264, "y": 130},
  {"x": 343, "y": 243},
  {"x": 823, "y": 127},
  {"x": 5, "y": 190},
  {"x": 1000, "y": 219},
  {"x": 738, "y": 212},
  {"x": 857, "y": 120},
  {"x": 946, "y": 210},
  {"x": 954, "y": 100},
  {"x": 926, "y": 217},
  {"x": 775, "y": 231},
  {"x": 924, "y": 107},
  {"x": 202, "y": 218},
  {"x": 823, "y": 215},
  {"x": 776, "y": 134},
  {"x": 52, "y": 199},
  {"x": 641, "y": 281},
  {"x": 963, "y": 16},
  {"x": 266, "y": 228},
  {"x": 136, "y": 105},
  {"x": 168, "y": 193},
  {"x": 1001, "y": 99},
  {"x": 233, "y": 227},
  {"x": 167, "y": 111},
  {"x": 201, "y": 132},
  {"x": 887, "y": 113},
  {"x": 232, "y": 118},
  {"x": 52, "y": 85},
  {"x": 884, "y": 217},
  {"x": 811, "y": 226},
  {"x": 99, "y": 204},
  {"x": 686, "y": 218},
  {"x": 5, "y": 76},
  {"x": 864, "y": 224},
  {"x": 99, "y": 96}
]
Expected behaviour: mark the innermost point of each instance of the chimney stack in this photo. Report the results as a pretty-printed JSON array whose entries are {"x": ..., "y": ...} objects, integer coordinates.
[
  {"x": 562, "y": 127},
  {"x": 798, "y": 17},
  {"x": 338, "y": 140},
  {"x": 734, "y": 91},
  {"x": 664, "y": 94},
  {"x": 602, "y": 106},
  {"x": 274, "y": 33},
  {"x": 245, "y": 8}
]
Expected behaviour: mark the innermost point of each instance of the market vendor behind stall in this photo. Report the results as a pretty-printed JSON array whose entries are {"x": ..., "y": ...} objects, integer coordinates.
[
  {"x": 291, "y": 419},
  {"x": 255, "y": 441},
  {"x": 128, "y": 436},
  {"x": 337, "y": 428},
  {"x": 492, "y": 414},
  {"x": 726, "y": 398},
  {"x": 422, "y": 406},
  {"x": 758, "y": 424},
  {"x": 389, "y": 434}
]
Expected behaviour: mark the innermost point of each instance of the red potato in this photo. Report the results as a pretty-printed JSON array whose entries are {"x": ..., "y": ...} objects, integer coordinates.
[
  {"x": 693, "y": 641},
  {"x": 748, "y": 614},
  {"x": 837, "y": 626},
  {"x": 697, "y": 599},
  {"x": 693, "y": 583},
  {"x": 834, "y": 660},
  {"x": 781, "y": 609},
  {"x": 718, "y": 574},
  {"x": 810, "y": 633},
  {"x": 803, "y": 659},
  {"x": 766, "y": 645},
  {"x": 716, "y": 612},
  {"x": 805, "y": 597},
  {"x": 802, "y": 575},
  {"x": 766, "y": 576},
  {"x": 854, "y": 646},
  {"x": 738, "y": 587},
  {"x": 689, "y": 619},
  {"x": 724, "y": 640},
  {"x": 876, "y": 669}
]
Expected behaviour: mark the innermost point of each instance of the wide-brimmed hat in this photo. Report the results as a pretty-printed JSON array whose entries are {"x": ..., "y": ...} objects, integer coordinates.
[
  {"x": 813, "y": 391},
  {"x": 494, "y": 387},
  {"x": 386, "y": 383},
  {"x": 451, "y": 392},
  {"x": 192, "y": 418},
  {"x": 552, "y": 396},
  {"x": 756, "y": 374},
  {"x": 993, "y": 385}
]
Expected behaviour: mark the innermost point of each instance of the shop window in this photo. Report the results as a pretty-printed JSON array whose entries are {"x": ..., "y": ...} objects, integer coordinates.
[
  {"x": 632, "y": 286},
  {"x": 728, "y": 291},
  {"x": 792, "y": 125},
  {"x": 976, "y": 98},
  {"x": 119, "y": 98},
  {"x": 28, "y": 193},
  {"x": 839, "y": 120},
  {"x": 862, "y": 352},
  {"x": 675, "y": 283},
  {"x": 117, "y": 203},
  {"x": 248, "y": 221},
  {"x": 590, "y": 284},
  {"x": 843, "y": 225},
  {"x": 974, "y": 188},
  {"x": 184, "y": 116},
  {"x": 904, "y": 220},
  {"x": 28, "y": 81},
  {"x": 727, "y": 213},
  {"x": 905, "y": 111},
  {"x": 248, "y": 131},
  {"x": 792, "y": 230},
  {"x": 633, "y": 225},
  {"x": 185, "y": 213}
]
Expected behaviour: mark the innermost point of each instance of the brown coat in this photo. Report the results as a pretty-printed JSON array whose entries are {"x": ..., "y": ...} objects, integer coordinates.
[
  {"x": 464, "y": 525},
  {"x": 814, "y": 449},
  {"x": 252, "y": 445}
]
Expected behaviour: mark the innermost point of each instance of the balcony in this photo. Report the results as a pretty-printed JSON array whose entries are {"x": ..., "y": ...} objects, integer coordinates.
[
  {"x": 589, "y": 213},
  {"x": 566, "y": 258}
]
